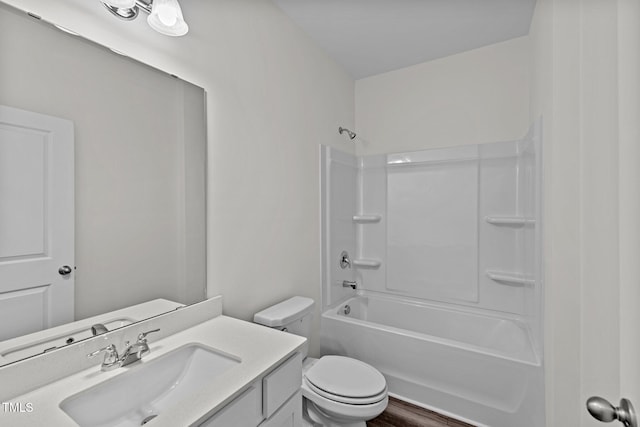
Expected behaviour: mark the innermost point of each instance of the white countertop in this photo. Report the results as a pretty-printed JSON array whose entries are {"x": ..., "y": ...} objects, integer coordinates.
[{"x": 258, "y": 347}]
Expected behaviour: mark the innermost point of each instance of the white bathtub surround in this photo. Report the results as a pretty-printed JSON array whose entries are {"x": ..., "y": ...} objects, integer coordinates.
[
  {"x": 432, "y": 238},
  {"x": 339, "y": 206},
  {"x": 431, "y": 222},
  {"x": 456, "y": 225},
  {"x": 454, "y": 228}
]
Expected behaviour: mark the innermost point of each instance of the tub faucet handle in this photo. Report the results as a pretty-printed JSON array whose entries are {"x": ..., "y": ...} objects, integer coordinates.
[
  {"x": 349, "y": 284},
  {"x": 345, "y": 262}
]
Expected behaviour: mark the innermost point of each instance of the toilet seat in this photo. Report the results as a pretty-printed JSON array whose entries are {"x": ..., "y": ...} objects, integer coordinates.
[
  {"x": 344, "y": 399},
  {"x": 346, "y": 380}
]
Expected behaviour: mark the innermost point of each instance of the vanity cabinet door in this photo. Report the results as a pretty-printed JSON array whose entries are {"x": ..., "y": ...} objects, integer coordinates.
[
  {"x": 280, "y": 384},
  {"x": 244, "y": 411},
  {"x": 289, "y": 415},
  {"x": 276, "y": 398}
]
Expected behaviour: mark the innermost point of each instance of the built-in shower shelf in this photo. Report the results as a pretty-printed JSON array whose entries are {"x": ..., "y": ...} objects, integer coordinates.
[
  {"x": 366, "y": 219},
  {"x": 510, "y": 220},
  {"x": 510, "y": 278},
  {"x": 367, "y": 263}
]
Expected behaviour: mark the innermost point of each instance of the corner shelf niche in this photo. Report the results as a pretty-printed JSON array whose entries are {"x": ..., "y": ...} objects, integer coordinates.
[
  {"x": 517, "y": 221},
  {"x": 367, "y": 263},
  {"x": 366, "y": 219},
  {"x": 510, "y": 278}
]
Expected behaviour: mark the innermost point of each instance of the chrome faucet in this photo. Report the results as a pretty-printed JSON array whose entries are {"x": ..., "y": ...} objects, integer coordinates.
[
  {"x": 98, "y": 329},
  {"x": 111, "y": 360},
  {"x": 349, "y": 284},
  {"x": 132, "y": 353}
]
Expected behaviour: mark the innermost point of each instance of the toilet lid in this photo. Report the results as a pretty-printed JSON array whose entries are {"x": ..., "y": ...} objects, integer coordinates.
[{"x": 344, "y": 376}]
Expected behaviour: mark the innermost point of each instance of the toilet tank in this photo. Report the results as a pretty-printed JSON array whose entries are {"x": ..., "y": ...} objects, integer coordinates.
[{"x": 292, "y": 315}]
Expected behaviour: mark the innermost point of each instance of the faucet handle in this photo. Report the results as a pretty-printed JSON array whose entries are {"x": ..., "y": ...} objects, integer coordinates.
[
  {"x": 142, "y": 348},
  {"x": 345, "y": 262},
  {"x": 111, "y": 358},
  {"x": 143, "y": 335},
  {"x": 110, "y": 349}
]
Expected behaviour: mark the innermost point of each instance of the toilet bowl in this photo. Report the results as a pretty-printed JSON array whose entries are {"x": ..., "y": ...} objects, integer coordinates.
[
  {"x": 341, "y": 391},
  {"x": 337, "y": 391}
]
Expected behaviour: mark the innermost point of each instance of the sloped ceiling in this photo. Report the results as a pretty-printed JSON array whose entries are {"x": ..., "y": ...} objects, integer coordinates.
[{"x": 370, "y": 37}]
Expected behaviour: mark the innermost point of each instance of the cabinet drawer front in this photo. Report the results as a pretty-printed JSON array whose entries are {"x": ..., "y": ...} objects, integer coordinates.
[
  {"x": 244, "y": 410},
  {"x": 281, "y": 384}
]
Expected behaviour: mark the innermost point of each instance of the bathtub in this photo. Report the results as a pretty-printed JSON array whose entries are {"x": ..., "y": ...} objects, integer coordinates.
[{"x": 468, "y": 365}]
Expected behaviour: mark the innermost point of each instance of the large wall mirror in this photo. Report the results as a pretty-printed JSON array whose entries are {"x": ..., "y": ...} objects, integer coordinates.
[{"x": 139, "y": 148}]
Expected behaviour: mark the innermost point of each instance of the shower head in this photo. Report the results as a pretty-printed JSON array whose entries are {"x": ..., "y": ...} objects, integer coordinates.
[{"x": 341, "y": 130}]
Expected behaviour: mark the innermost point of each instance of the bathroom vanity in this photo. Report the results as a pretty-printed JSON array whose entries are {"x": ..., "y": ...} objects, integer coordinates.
[{"x": 204, "y": 369}]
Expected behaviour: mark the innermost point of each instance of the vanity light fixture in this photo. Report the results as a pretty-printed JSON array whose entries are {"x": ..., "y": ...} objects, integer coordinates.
[{"x": 165, "y": 16}]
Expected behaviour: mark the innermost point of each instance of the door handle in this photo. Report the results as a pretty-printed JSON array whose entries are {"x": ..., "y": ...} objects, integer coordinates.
[
  {"x": 602, "y": 410},
  {"x": 65, "y": 270}
]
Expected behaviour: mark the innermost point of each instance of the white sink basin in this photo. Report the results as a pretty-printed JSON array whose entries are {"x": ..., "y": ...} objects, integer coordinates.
[{"x": 144, "y": 390}]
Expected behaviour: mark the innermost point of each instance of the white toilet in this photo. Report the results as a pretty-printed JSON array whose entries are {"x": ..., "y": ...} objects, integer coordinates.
[{"x": 338, "y": 391}]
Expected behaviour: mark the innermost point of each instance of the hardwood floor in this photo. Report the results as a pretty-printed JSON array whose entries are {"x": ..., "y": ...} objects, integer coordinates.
[{"x": 403, "y": 414}]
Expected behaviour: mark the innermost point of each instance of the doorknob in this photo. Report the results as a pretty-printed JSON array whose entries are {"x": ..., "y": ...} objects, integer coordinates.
[
  {"x": 604, "y": 411},
  {"x": 65, "y": 270}
]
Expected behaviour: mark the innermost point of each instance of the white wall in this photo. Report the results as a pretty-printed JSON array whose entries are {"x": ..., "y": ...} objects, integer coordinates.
[
  {"x": 585, "y": 83},
  {"x": 273, "y": 96},
  {"x": 472, "y": 97}
]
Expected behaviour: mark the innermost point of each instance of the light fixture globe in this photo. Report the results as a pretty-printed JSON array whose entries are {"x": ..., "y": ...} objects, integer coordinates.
[
  {"x": 166, "y": 18},
  {"x": 120, "y": 4}
]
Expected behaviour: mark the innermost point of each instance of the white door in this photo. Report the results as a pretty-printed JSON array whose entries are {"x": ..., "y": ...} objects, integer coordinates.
[
  {"x": 36, "y": 222},
  {"x": 609, "y": 216}
]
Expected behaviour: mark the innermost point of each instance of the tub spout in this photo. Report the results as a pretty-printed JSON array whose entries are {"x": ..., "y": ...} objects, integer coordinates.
[{"x": 349, "y": 284}]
